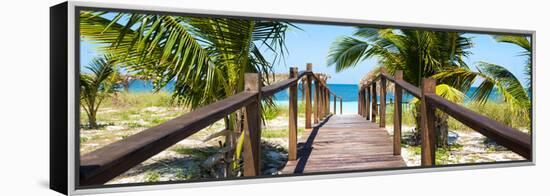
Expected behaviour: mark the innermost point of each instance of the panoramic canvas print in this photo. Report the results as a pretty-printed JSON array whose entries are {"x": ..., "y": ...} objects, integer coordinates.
[{"x": 186, "y": 98}]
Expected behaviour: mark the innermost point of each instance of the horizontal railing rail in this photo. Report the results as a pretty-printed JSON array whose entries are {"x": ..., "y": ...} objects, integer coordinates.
[
  {"x": 104, "y": 164},
  {"x": 504, "y": 135},
  {"x": 511, "y": 138},
  {"x": 99, "y": 166}
]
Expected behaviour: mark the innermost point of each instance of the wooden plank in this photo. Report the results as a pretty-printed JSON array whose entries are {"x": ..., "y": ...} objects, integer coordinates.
[
  {"x": 270, "y": 90},
  {"x": 292, "y": 116},
  {"x": 307, "y": 90},
  {"x": 304, "y": 73},
  {"x": 415, "y": 91},
  {"x": 427, "y": 124},
  {"x": 103, "y": 164},
  {"x": 397, "y": 114},
  {"x": 253, "y": 128},
  {"x": 504, "y": 135},
  {"x": 358, "y": 143}
]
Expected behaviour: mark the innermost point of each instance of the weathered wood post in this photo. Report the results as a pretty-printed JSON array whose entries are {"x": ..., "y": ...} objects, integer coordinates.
[
  {"x": 427, "y": 121},
  {"x": 253, "y": 129},
  {"x": 359, "y": 102},
  {"x": 327, "y": 103},
  {"x": 397, "y": 114},
  {"x": 334, "y": 103},
  {"x": 374, "y": 103},
  {"x": 367, "y": 104},
  {"x": 340, "y": 105},
  {"x": 293, "y": 115},
  {"x": 316, "y": 112},
  {"x": 321, "y": 100},
  {"x": 325, "y": 111},
  {"x": 362, "y": 101},
  {"x": 383, "y": 100},
  {"x": 307, "y": 95}
]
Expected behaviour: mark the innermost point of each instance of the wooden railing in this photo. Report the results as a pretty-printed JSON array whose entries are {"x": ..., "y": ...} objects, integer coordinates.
[
  {"x": 106, "y": 163},
  {"x": 504, "y": 135}
]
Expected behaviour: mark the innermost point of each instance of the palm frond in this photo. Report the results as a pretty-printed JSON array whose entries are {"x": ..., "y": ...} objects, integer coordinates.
[
  {"x": 346, "y": 52},
  {"x": 524, "y": 43},
  {"x": 520, "y": 41},
  {"x": 492, "y": 77}
]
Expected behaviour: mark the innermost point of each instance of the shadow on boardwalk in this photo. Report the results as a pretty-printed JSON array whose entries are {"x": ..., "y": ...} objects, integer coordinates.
[{"x": 344, "y": 143}]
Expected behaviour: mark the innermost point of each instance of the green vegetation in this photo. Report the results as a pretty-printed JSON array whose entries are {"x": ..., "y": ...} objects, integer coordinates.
[
  {"x": 491, "y": 109},
  {"x": 152, "y": 177},
  {"x": 139, "y": 100},
  {"x": 271, "y": 113},
  {"x": 282, "y": 110},
  {"x": 200, "y": 153},
  {"x": 442, "y": 155},
  {"x": 498, "y": 112},
  {"x": 97, "y": 86},
  {"x": 279, "y": 133},
  {"x": 135, "y": 110}
]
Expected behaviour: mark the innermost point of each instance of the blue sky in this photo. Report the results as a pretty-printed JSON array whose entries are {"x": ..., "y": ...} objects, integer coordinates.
[{"x": 311, "y": 45}]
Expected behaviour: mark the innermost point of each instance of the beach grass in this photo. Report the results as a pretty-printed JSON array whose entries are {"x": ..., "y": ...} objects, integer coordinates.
[
  {"x": 496, "y": 111},
  {"x": 278, "y": 133}
]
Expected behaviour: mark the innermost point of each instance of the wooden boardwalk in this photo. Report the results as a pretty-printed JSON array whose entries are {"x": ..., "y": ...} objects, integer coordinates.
[{"x": 344, "y": 142}]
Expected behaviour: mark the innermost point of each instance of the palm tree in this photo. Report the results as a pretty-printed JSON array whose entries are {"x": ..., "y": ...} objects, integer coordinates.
[
  {"x": 419, "y": 53},
  {"x": 495, "y": 77},
  {"x": 205, "y": 57},
  {"x": 96, "y": 86},
  {"x": 525, "y": 44}
]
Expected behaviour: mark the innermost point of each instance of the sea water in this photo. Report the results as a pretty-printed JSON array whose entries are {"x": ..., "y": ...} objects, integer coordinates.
[{"x": 348, "y": 92}]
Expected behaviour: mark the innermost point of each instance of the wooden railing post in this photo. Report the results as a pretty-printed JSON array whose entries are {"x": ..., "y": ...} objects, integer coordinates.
[
  {"x": 253, "y": 129},
  {"x": 382, "y": 101},
  {"x": 362, "y": 101},
  {"x": 321, "y": 100},
  {"x": 334, "y": 103},
  {"x": 307, "y": 95},
  {"x": 427, "y": 121},
  {"x": 397, "y": 114},
  {"x": 327, "y": 102},
  {"x": 293, "y": 116},
  {"x": 367, "y": 104},
  {"x": 359, "y": 102},
  {"x": 374, "y": 103},
  {"x": 316, "y": 112},
  {"x": 340, "y": 105}
]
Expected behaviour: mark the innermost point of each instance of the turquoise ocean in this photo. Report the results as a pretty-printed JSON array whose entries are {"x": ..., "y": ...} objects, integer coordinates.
[{"x": 348, "y": 92}]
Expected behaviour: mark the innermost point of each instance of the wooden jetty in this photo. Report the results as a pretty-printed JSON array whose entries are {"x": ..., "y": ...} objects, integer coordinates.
[{"x": 332, "y": 143}]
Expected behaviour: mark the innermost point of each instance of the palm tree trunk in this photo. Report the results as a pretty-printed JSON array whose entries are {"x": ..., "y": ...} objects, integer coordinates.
[
  {"x": 442, "y": 129},
  {"x": 92, "y": 119},
  {"x": 416, "y": 133}
]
